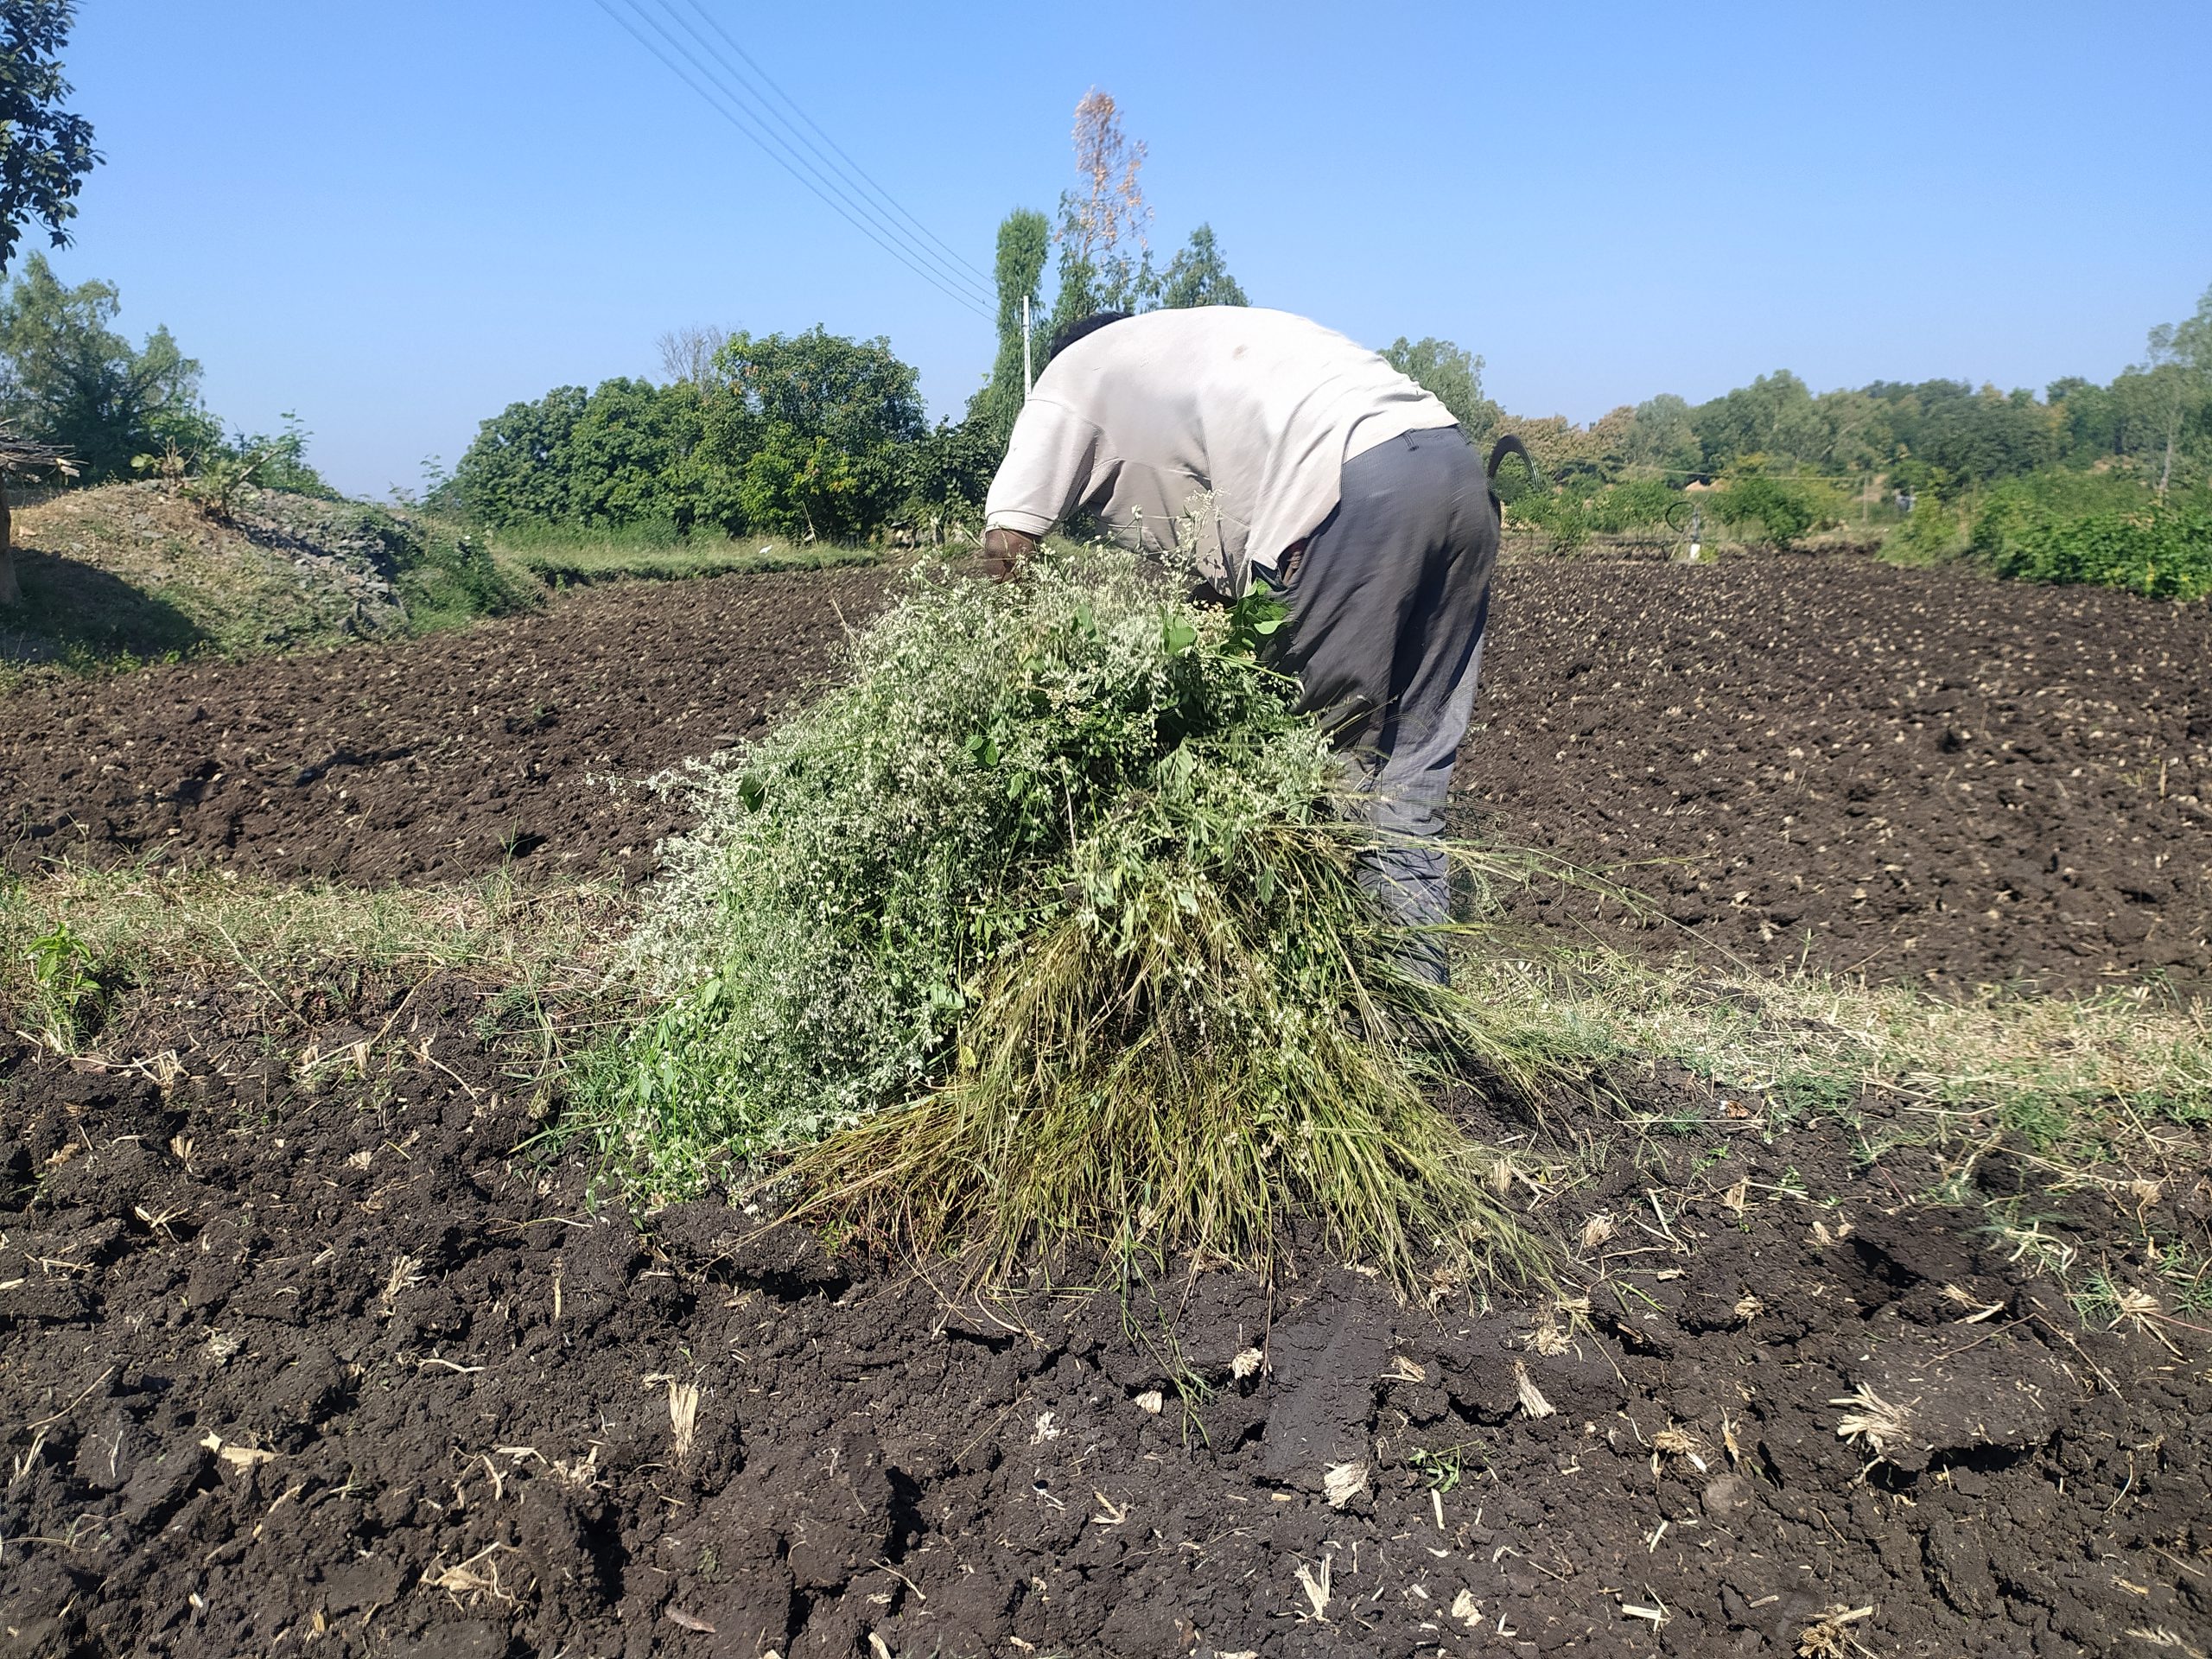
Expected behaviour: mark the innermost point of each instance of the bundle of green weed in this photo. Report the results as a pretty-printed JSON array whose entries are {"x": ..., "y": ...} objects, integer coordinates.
[{"x": 1045, "y": 927}]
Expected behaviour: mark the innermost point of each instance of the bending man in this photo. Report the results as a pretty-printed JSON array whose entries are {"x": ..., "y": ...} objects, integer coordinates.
[{"x": 1303, "y": 460}]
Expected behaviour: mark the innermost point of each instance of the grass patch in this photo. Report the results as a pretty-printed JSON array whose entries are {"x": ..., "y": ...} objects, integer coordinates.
[
  {"x": 120, "y": 576},
  {"x": 76, "y": 943},
  {"x": 1046, "y": 929},
  {"x": 2109, "y": 1093},
  {"x": 561, "y": 556},
  {"x": 2097, "y": 1077}
]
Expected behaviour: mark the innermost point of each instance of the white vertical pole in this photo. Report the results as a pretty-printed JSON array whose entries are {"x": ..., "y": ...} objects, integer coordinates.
[{"x": 1028, "y": 379}]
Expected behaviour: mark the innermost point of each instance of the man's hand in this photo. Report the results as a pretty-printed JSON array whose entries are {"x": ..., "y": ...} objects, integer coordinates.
[{"x": 1005, "y": 552}]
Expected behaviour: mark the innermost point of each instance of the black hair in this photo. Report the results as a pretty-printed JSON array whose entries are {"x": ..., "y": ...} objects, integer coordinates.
[{"x": 1074, "y": 331}]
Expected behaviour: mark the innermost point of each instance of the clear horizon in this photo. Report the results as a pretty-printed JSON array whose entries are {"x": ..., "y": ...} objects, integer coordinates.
[{"x": 397, "y": 223}]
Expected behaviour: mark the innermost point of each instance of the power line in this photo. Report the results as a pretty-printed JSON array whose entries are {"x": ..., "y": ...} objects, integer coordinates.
[
  {"x": 732, "y": 110},
  {"x": 858, "y": 171},
  {"x": 722, "y": 106},
  {"x": 742, "y": 93}
]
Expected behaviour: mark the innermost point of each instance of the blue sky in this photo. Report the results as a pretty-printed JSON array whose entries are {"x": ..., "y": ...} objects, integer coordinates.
[{"x": 395, "y": 219}]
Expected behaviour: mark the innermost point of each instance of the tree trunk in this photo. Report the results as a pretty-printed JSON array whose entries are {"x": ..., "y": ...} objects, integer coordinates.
[
  {"x": 10, "y": 590},
  {"x": 2173, "y": 426}
]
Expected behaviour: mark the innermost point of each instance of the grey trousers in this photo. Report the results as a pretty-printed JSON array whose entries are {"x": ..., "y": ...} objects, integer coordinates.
[{"x": 1387, "y": 609}]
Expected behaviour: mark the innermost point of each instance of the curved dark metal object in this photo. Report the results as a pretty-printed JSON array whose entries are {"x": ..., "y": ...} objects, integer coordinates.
[{"x": 1510, "y": 445}]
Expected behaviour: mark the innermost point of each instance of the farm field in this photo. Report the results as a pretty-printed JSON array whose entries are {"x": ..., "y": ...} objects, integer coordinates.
[
  {"x": 1906, "y": 774},
  {"x": 683, "y": 974},
  {"x": 312, "y": 1339},
  {"x": 1823, "y": 762}
]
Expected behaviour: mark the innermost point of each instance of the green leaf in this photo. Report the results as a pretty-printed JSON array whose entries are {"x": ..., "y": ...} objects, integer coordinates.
[{"x": 1178, "y": 636}]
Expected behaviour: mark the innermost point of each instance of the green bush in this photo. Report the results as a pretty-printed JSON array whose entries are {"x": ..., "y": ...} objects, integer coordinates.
[
  {"x": 1785, "y": 510},
  {"x": 2107, "y": 531},
  {"x": 449, "y": 578},
  {"x": 1562, "y": 518},
  {"x": 1567, "y": 516},
  {"x": 446, "y": 576},
  {"x": 1043, "y": 928},
  {"x": 1929, "y": 532},
  {"x": 1636, "y": 504}
]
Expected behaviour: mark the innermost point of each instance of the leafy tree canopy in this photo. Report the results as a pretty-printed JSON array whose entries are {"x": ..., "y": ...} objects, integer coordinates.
[
  {"x": 1199, "y": 275},
  {"x": 45, "y": 151},
  {"x": 856, "y": 394},
  {"x": 67, "y": 378},
  {"x": 1451, "y": 375},
  {"x": 1025, "y": 240},
  {"x": 517, "y": 471}
]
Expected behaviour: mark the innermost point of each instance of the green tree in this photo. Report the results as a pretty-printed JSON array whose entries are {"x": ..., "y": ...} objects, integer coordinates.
[
  {"x": 1453, "y": 377},
  {"x": 1025, "y": 240},
  {"x": 2180, "y": 367},
  {"x": 1197, "y": 275},
  {"x": 517, "y": 471},
  {"x": 696, "y": 489},
  {"x": 625, "y": 453},
  {"x": 828, "y": 417},
  {"x": 795, "y": 483},
  {"x": 1662, "y": 436},
  {"x": 2088, "y": 420},
  {"x": 1856, "y": 429},
  {"x": 67, "y": 378},
  {"x": 1986, "y": 436},
  {"x": 948, "y": 471},
  {"x": 45, "y": 151},
  {"x": 1773, "y": 416}
]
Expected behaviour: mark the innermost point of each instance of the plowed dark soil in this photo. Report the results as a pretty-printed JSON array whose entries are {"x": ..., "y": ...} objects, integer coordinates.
[
  {"x": 1914, "y": 774},
  {"x": 1818, "y": 760},
  {"x": 298, "y": 1356},
  {"x": 438, "y": 758}
]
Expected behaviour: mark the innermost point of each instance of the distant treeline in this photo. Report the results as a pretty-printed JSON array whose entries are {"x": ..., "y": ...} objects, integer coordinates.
[
  {"x": 2109, "y": 483},
  {"x": 811, "y": 434},
  {"x": 802, "y": 434},
  {"x": 1943, "y": 436},
  {"x": 816, "y": 434}
]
